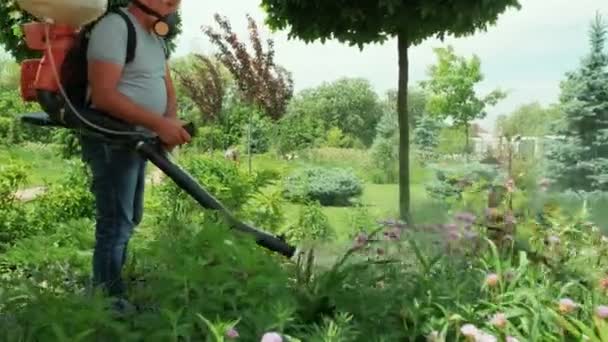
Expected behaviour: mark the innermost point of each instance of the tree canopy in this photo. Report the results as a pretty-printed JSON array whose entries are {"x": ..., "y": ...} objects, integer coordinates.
[
  {"x": 375, "y": 21},
  {"x": 370, "y": 21}
]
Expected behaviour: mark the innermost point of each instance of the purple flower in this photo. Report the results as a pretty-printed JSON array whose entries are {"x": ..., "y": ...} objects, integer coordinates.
[
  {"x": 602, "y": 311},
  {"x": 232, "y": 333},
  {"x": 467, "y": 218}
]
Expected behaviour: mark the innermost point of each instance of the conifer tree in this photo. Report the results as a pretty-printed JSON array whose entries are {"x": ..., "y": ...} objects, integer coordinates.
[{"x": 579, "y": 159}]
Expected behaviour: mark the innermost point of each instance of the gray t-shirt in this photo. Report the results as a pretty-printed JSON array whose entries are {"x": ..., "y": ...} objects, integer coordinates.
[{"x": 143, "y": 80}]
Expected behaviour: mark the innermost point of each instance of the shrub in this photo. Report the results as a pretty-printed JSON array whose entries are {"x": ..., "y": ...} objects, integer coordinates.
[
  {"x": 219, "y": 177},
  {"x": 451, "y": 182},
  {"x": 13, "y": 222},
  {"x": 329, "y": 186},
  {"x": 312, "y": 225},
  {"x": 66, "y": 200}
]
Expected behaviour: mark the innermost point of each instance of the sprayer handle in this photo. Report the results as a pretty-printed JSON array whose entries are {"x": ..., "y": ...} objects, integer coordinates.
[{"x": 189, "y": 127}]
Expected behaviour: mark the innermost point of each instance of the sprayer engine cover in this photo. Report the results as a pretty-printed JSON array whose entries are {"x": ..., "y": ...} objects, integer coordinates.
[{"x": 75, "y": 13}]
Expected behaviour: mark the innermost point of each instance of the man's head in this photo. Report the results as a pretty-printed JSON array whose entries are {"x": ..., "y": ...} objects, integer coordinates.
[{"x": 158, "y": 15}]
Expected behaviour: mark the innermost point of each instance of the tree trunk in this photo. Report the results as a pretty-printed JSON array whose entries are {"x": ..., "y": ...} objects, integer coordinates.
[
  {"x": 466, "y": 141},
  {"x": 404, "y": 138}
]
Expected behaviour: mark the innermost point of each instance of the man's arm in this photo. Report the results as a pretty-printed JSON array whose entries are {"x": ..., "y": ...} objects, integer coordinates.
[
  {"x": 104, "y": 78},
  {"x": 171, "y": 97}
]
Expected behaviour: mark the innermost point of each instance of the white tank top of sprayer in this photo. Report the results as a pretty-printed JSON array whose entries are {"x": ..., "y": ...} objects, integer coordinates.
[{"x": 74, "y": 13}]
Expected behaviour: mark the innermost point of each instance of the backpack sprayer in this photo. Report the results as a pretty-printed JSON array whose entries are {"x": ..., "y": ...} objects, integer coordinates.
[{"x": 58, "y": 34}]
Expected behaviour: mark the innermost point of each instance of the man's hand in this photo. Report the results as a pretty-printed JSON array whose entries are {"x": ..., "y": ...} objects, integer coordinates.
[{"x": 171, "y": 132}]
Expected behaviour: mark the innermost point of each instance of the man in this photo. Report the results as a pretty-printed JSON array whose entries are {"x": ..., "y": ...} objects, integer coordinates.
[{"x": 141, "y": 93}]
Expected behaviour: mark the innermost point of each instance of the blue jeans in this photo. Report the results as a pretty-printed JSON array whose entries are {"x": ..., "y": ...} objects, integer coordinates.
[{"x": 118, "y": 187}]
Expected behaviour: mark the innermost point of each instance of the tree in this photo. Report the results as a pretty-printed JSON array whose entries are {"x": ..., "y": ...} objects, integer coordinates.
[
  {"x": 204, "y": 82},
  {"x": 259, "y": 79},
  {"x": 416, "y": 104},
  {"x": 364, "y": 22},
  {"x": 11, "y": 34},
  {"x": 579, "y": 159},
  {"x": 347, "y": 103},
  {"x": 531, "y": 119},
  {"x": 452, "y": 90}
]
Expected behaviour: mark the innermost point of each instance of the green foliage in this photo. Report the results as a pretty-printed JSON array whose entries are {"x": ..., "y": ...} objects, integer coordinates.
[
  {"x": 13, "y": 224},
  {"x": 385, "y": 154},
  {"x": 297, "y": 131},
  {"x": 416, "y": 106},
  {"x": 329, "y": 186},
  {"x": 312, "y": 225},
  {"x": 349, "y": 104},
  {"x": 260, "y": 135},
  {"x": 11, "y": 32},
  {"x": 451, "y": 182},
  {"x": 530, "y": 119},
  {"x": 377, "y": 21},
  {"x": 452, "y": 89},
  {"x": 577, "y": 160},
  {"x": 426, "y": 134},
  {"x": 68, "y": 199},
  {"x": 12, "y": 131},
  {"x": 220, "y": 177},
  {"x": 451, "y": 141}
]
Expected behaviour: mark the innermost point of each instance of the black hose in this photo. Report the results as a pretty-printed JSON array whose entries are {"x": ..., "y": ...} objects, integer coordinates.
[{"x": 152, "y": 152}]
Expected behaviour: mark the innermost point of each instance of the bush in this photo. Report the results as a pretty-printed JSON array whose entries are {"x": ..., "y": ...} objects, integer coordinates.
[
  {"x": 312, "y": 225},
  {"x": 69, "y": 199},
  {"x": 13, "y": 222},
  {"x": 452, "y": 181},
  {"x": 220, "y": 177},
  {"x": 329, "y": 186}
]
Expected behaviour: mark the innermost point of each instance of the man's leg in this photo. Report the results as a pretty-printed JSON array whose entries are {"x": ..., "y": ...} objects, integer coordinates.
[
  {"x": 138, "y": 203},
  {"x": 116, "y": 174}
]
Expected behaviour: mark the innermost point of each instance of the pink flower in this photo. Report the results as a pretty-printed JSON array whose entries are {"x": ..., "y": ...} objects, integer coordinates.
[
  {"x": 469, "y": 330},
  {"x": 602, "y": 311},
  {"x": 604, "y": 284},
  {"x": 393, "y": 234},
  {"x": 232, "y": 333},
  {"x": 492, "y": 279},
  {"x": 567, "y": 305},
  {"x": 272, "y": 337},
  {"x": 360, "y": 240},
  {"x": 468, "y": 218},
  {"x": 485, "y": 337},
  {"x": 512, "y": 339},
  {"x": 499, "y": 320}
]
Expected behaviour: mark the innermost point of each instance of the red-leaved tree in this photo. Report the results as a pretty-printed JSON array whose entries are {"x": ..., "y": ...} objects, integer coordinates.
[
  {"x": 204, "y": 85},
  {"x": 259, "y": 80}
]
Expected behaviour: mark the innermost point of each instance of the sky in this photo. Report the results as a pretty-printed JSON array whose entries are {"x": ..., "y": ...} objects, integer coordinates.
[{"x": 526, "y": 53}]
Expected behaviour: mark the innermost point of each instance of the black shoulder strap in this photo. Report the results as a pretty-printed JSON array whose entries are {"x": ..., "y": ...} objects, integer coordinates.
[{"x": 131, "y": 36}]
